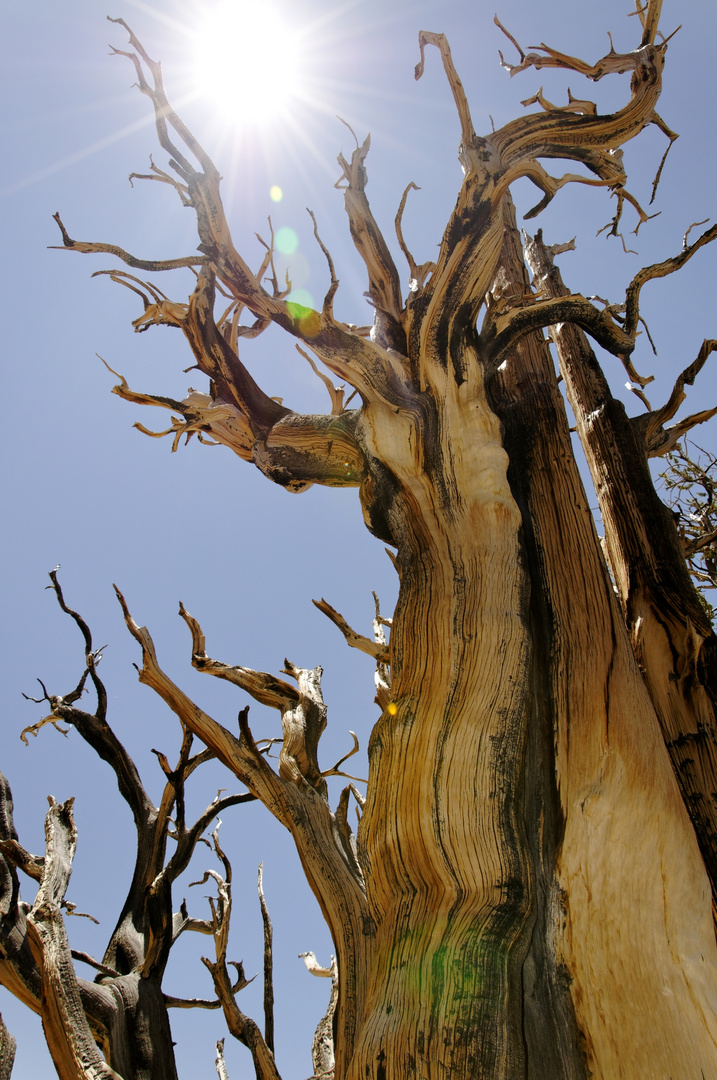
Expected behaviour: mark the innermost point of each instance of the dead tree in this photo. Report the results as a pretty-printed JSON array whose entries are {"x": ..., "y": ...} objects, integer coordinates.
[
  {"x": 689, "y": 480},
  {"x": 118, "y": 1024},
  {"x": 529, "y": 892}
]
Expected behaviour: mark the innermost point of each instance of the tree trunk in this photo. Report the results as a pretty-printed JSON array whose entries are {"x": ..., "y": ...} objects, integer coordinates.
[
  {"x": 442, "y": 841},
  {"x": 617, "y": 901},
  {"x": 671, "y": 635},
  {"x": 526, "y": 896},
  {"x": 632, "y": 895}
]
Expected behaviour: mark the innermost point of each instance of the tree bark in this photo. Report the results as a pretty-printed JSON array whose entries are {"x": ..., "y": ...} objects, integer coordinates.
[
  {"x": 671, "y": 636},
  {"x": 630, "y": 897},
  {"x": 525, "y": 895},
  {"x": 442, "y": 842}
]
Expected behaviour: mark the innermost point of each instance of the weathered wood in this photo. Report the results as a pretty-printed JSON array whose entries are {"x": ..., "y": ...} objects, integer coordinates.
[
  {"x": 525, "y": 895},
  {"x": 670, "y": 634},
  {"x": 7, "y": 1051},
  {"x": 69, "y": 1039},
  {"x": 619, "y": 927}
]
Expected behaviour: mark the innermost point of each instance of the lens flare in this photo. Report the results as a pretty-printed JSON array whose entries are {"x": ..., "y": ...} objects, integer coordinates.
[
  {"x": 246, "y": 59},
  {"x": 286, "y": 241}
]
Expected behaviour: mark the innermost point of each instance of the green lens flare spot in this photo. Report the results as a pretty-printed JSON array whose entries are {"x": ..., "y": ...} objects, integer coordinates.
[
  {"x": 302, "y": 313},
  {"x": 286, "y": 241}
]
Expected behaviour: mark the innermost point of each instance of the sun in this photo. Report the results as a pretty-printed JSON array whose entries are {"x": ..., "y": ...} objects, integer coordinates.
[{"x": 247, "y": 61}]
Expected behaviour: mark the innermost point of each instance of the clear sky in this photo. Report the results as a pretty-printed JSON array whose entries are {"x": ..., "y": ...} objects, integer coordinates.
[{"x": 85, "y": 490}]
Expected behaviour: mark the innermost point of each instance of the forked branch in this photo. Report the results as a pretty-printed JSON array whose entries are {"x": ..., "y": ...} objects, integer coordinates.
[
  {"x": 241, "y": 1026},
  {"x": 659, "y": 441}
]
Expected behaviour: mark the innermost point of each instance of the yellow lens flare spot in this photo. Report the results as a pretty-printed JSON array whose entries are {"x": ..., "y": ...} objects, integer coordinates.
[
  {"x": 392, "y": 709},
  {"x": 247, "y": 61},
  {"x": 275, "y": 193}
]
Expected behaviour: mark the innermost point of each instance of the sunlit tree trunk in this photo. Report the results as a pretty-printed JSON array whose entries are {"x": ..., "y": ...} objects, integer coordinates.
[{"x": 527, "y": 894}]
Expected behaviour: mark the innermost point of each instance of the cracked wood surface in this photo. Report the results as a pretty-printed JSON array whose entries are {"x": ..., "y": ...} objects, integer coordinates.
[
  {"x": 618, "y": 916},
  {"x": 671, "y": 636},
  {"x": 525, "y": 887}
]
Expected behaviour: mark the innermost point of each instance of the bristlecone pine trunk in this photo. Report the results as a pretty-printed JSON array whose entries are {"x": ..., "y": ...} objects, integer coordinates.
[{"x": 529, "y": 892}]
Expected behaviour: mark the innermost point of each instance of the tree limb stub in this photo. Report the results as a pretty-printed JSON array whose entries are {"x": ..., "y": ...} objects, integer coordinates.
[
  {"x": 378, "y": 650},
  {"x": 70, "y": 1041}
]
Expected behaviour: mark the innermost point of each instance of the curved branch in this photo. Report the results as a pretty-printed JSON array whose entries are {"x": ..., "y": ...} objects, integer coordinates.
[
  {"x": 502, "y": 331},
  {"x": 440, "y": 41},
  {"x": 93, "y": 247},
  {"x": 377, "y": 649},
  {"x": 660, "y": 270},
  {"x": 239, "y": 755},
  {"x": 297, "y": 452},
  {"x": 95, "y": 730},
  {"x": 418, "y": 273},
  {"x": 331, "y": 867},
  {"x": 653, "y": 423},
  {"x": 384, "y": 289},
  {"x": 264, "y": 688},
  {"x": 666, "y": 439}
]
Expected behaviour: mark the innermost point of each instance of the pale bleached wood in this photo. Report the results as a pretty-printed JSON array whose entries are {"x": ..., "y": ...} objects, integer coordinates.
[
  {"x": 665, "y": 621},
  {"x": 633, "y": 898},
  {"x": 525, "y": 895}
]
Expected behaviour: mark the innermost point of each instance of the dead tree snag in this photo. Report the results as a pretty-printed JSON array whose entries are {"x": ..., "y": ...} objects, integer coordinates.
[{"x": 529, "y": 890}]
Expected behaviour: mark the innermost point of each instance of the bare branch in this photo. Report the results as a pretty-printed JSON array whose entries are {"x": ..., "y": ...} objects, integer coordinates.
[
  {"x": 264, "y": 688},
  {"x": 384, "y": 284},
  {"x": 220, "y": 1062},
  {"x": 336, "y": 393},
  {"x": 163, "y": 111},
  {"x": 378, "y": 650},
  {"x": 459, "y": 96},
  {"x": 91, "y": 658},
  {"x": 268, "y": 963},
  {"x": 112, "y": 249},
  {"x": 659, "y": 270},
  {"x": 94, "y": 729},
  {"x": 418, "y": 273},
  {"x": 68, "y": 1034},
  {"x": 653, "y": 424},
  {"x": 314, "y": 967},
  {"x": 335, "y": 769},
  {"x": 15, "y": 853},
  {"x": 650, "y": 22},
  {"x": 303, "y": 723},
  {"x": 700, "y": 543},
  {"x": 34, "y": 729},
  {"x": 191, "y": 1003},
  {"x": 322, "y": 1047},
  {"x": 672, "y": 136},
  {"x": 241, "y": 1026},
  {"x": 85, "y": 958},
  {"x": 163, "y": 178},
  {"x": 328, "y": 304},
  {"x": 667, "y": 439}
]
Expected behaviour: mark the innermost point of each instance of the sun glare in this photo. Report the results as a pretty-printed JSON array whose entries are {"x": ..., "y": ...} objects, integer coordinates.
[{"x": 247, "y": 61}]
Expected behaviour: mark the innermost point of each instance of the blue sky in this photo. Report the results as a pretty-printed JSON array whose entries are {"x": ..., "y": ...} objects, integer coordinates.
[{"x": 85, "y": 490}]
